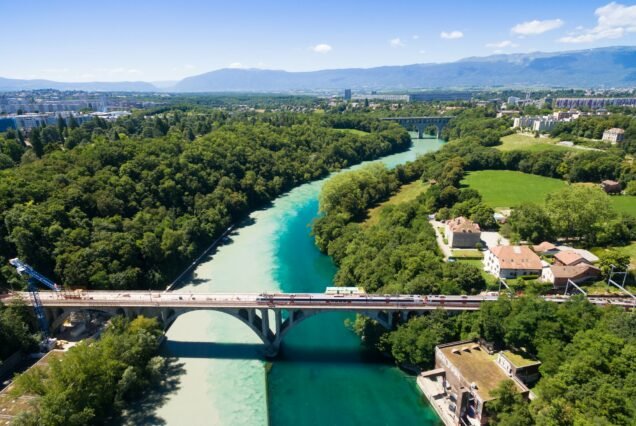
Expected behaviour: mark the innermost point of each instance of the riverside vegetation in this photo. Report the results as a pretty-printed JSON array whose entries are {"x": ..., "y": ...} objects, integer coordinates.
[
  {"x": 587, "y": 353},
  {"x": 94, "y": 379},
  {"x": 126, "y": 205}
]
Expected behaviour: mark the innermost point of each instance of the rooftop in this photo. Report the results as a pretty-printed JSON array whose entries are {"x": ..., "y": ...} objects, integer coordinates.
[
  {"x": 571, "y": 271},
  {"x": 461, "y": 224},
  {"x": 519, "y": 359},
  {"x": 517, "y": 257},
  {"x": 568, "y": 257},
  {"x": 544, "y": 246},
  {"x": 476, "y": 366}
]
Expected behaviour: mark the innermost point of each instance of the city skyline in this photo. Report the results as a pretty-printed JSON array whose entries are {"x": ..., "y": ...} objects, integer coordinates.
[{"x": 132, "y": 42}]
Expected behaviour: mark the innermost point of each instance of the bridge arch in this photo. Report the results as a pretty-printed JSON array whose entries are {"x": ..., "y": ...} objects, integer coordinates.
[
  {"x": 257, "y": 319},
  {"x": 421, "y": 123}
]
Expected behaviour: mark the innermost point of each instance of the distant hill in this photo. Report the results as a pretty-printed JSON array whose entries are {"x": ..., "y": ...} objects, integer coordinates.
[
  {"x": 9, "y": 84},
  {"x": 608, "y": 67}
]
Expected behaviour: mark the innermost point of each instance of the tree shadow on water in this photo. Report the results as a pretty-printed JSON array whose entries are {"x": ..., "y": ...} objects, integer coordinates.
[{"x": 143, "y": 410}]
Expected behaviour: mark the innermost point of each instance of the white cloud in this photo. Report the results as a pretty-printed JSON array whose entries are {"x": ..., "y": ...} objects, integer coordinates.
[
  {"x": 235, "y": 65},
  {"x": 396, "y": 42},
  {"x": 415, "y": 37},
  {"x": 502, "y": 44},
  {"x": 536, "y": 27},
  {"x": 189, "y": 66},
  {"x": 322, "y": 48},
  {"x": 614, "y": 20},
  {"x": 451, "y": 35},
  {"x": 422, "y": 51}
]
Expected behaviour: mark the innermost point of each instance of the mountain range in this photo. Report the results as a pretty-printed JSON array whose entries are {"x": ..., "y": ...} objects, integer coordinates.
[{"x": 601, "y": 67}]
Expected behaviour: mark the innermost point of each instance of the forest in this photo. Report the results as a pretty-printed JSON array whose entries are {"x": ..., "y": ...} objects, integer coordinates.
[
  {"x": 593, "y": 127},
  {"x": 126, "y": 205},
  {"x": 588, "y": 371},
  {"x": 587, "y": 353},
  {"x": 399, "y": 254},
  {"x": 16, "y": 330}
]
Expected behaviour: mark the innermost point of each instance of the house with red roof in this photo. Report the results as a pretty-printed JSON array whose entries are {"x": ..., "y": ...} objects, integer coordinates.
[{"x": 512, "y": 261}]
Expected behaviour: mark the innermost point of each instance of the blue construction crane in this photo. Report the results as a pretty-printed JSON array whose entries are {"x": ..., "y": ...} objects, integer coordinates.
[{"x": 35, "y": 277}]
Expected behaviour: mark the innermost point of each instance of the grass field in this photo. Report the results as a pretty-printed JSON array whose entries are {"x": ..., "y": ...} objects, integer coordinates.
[
  {"x": 407, "y": 192},
  {"x": 504, "y": 188},
  {"x": 467, "y": 254},
  {"x": 624, "y": 204},
  {"x": 522, "y": 142}
]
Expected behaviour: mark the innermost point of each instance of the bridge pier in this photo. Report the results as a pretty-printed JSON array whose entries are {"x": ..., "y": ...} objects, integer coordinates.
[{"x": 422, "y": 128}]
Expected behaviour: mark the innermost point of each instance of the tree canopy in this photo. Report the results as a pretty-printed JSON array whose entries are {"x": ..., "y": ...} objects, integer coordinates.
[
  {"x": 130, "y": 212},
  {"x": 93, "y": 379}
]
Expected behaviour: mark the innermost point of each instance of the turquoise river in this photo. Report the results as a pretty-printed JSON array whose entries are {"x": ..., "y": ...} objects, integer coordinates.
[{"x": 322, "y": 376}]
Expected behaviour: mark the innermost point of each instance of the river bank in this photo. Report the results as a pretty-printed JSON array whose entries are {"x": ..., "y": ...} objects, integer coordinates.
[{"x": 322, "y": 374}]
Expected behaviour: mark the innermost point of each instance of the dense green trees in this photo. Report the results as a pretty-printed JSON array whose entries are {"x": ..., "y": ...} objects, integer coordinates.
[
  {"x": 530, "y": 222},
  {"x": 414, "y": 343},
  {"x": 129, "y": 212},
  {"x": 579, "y": 213},
  {"x": 399, "y": 254},
  {"x": 352, "y": 193},
  {"x": 508, "y": 408},
  {"x": 95, "y": 378},
  {"x": 473, "y": 130},
  {"x": 587, "y": 353},
  {"x": 16, "y": 332},
  {"x": 588, "y": 374},
  {"x": 478, "y": 125},
  {"x": 592, "y": 127},
  {"x": 596, "y": 380}
]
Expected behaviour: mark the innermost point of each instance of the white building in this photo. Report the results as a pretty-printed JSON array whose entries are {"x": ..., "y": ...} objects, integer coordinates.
[
  {"x": 614, "y": 135},
  {"x": 512, "y": 261},
  {"x": 541, "y": 124}
]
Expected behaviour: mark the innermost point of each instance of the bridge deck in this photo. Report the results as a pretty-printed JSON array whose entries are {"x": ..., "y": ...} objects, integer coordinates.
[{"x": 144, "y": 299}]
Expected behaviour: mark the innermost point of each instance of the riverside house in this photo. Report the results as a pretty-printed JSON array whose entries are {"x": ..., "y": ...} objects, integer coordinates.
[
  {"x": 512, "y": 261},
  {"x": 465, "y": 374},
  {"x": 462, "y": 233}
]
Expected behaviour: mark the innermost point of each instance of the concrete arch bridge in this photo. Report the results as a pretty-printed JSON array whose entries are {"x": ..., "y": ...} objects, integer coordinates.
[
  {"x": 270, "y": 316},
  {"x": 421, "y": 123}
]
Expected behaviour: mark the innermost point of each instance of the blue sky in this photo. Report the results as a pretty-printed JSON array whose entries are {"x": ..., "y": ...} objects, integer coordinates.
[{"x": 157, "y": 40}]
